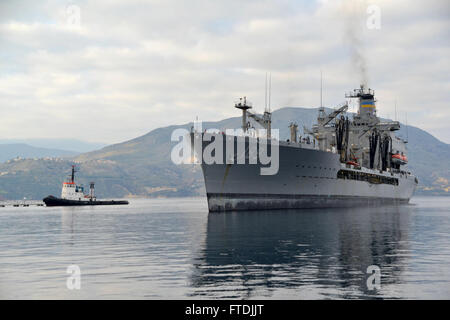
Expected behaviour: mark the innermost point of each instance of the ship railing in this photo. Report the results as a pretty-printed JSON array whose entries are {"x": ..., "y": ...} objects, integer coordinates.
[{"x": 242, "y": 103}]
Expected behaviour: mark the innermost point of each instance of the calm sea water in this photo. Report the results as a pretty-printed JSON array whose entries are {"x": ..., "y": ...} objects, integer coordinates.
[{"x": 174, "y": 249}]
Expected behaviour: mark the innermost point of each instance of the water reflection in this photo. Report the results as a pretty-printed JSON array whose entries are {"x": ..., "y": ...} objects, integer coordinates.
[{"x": 318, "y": 253}]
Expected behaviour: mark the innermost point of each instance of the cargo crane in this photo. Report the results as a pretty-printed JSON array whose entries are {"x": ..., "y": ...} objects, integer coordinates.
[{"x": 265, "y": 121}]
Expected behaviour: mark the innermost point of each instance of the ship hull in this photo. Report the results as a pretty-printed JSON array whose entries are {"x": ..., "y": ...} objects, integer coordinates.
[
  {"x": 306, "y": 178},
  {"x": 52, "y": 201},
  {"x": 245, "y": 202}
]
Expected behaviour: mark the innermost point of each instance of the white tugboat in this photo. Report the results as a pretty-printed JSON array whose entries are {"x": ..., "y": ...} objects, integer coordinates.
[{"x": 73, "y": 195}]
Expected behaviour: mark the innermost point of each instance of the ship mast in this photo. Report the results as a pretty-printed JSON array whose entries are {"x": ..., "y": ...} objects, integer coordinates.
[
  {"x": 321, "y": 90},
  {"x": 91, "y": 190},
  {"x": 73, "y": 174},
  {"x": 244, "y": 106}
]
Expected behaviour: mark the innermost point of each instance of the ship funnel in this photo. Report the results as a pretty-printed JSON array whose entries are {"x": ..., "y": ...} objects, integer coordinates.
[{"x": 366, "y": 99}]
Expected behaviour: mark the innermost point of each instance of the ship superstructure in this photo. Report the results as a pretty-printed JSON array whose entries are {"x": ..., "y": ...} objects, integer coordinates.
[
  {"x": 364, "y": 141},
  {"x": 72, "y": 191},
  {"x": 340, "y": 161}
]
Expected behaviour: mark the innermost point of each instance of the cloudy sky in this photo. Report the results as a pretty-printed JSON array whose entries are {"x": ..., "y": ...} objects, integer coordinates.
[{"x": 109, "y": 71}]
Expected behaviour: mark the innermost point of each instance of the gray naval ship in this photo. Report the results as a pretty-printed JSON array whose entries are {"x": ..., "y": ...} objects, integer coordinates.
[{"x": 339, "y": 162}]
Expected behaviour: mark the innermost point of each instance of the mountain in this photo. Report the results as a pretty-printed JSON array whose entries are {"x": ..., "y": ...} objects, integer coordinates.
[
  {"x": 142, "y": 166},
  {"x": 73, "y": 145},
  {"x": 429, "y": 158},
  {"x": 22, "y": 150}
]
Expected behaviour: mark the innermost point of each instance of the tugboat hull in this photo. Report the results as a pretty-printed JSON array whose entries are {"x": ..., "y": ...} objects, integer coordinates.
[{"x": 52, "y": 201}]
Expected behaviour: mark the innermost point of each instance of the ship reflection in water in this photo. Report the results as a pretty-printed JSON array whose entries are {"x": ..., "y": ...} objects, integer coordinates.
[{"x": 302, "y": 254}]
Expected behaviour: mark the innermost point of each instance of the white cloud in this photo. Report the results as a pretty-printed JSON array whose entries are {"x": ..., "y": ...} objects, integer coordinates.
[{"x": 134, "y": 66}]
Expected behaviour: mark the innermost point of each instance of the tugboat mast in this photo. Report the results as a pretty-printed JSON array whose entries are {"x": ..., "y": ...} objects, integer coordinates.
[{"x": 73, "y": 174}]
